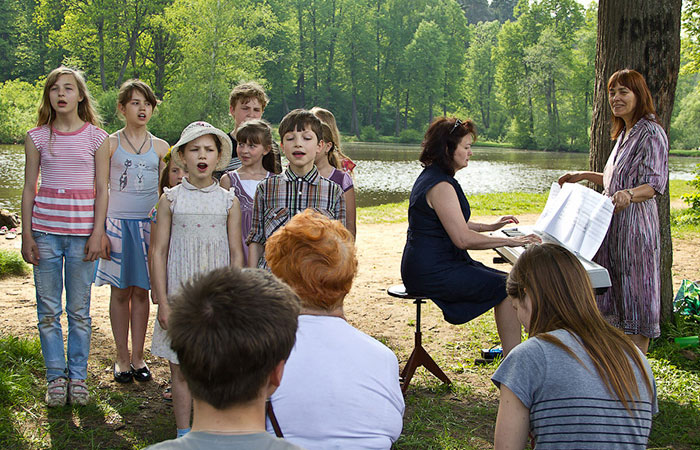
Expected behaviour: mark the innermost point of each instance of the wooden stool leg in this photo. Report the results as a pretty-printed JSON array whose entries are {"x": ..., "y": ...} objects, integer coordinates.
[{"x": 420, "y": 357}]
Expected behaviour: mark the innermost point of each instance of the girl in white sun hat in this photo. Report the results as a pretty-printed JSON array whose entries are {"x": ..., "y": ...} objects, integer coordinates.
[{"x": 199, "y": 229}]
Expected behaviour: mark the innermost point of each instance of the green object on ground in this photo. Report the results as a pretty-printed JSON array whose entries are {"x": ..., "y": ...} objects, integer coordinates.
[
  {"x": 689, "y": 341},
  {"x": 687, "y": 301}
]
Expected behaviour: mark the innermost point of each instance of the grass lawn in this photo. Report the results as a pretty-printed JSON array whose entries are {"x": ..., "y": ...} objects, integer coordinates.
[{"x": 458, "y": 416}]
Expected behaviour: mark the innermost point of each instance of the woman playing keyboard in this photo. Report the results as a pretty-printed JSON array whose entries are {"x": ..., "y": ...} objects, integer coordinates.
[{"x": 435, "y": 262}]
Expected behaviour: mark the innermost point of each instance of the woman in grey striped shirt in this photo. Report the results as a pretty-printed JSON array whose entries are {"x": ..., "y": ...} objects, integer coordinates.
[
  {"x": 636, "y": 171},
  {"x": 577, "y": 382}
]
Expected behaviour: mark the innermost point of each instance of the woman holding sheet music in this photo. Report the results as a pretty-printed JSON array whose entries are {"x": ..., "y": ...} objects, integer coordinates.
[
  {"x": 636, "y": 171},
  {"x": 435, "y": 263}
]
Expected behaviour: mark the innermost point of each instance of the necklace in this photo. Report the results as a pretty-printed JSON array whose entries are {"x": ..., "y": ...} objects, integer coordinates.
[{"x": 138, "y": 152}]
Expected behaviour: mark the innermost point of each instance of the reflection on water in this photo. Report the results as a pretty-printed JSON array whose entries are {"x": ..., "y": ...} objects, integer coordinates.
[
  {"x": 385, "y": 172},
  {"x": 11, "y": 176}
]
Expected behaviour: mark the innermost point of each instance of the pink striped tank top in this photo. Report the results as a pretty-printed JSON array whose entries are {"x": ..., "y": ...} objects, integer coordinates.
[{"x": 65, "y": 203}]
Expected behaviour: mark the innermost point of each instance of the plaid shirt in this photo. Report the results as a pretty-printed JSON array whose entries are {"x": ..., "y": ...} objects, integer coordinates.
[{"x": 280, "y": 197}]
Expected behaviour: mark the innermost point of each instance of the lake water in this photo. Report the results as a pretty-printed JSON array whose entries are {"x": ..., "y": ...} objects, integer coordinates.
[{"x": 385, "y": 172}]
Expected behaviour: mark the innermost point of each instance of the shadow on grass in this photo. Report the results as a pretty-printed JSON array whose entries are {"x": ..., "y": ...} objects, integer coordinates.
[
  {"x": 116, "y": 418},
  {"x": 442, "y": 416}
]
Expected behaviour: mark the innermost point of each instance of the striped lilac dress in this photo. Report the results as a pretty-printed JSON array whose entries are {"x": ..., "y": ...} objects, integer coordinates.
[{"x": 631, "y": 250}]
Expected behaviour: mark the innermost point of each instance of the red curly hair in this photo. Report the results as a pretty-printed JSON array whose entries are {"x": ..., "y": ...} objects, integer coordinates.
[{"x": 316, "y": 257}]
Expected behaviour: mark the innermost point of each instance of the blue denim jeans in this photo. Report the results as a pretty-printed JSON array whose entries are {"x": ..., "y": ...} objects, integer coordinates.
[{"x": 56, "y": 254}]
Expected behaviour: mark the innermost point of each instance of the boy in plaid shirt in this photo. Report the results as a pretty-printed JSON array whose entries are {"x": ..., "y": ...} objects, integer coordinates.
[{"x": 298, "y": 187}]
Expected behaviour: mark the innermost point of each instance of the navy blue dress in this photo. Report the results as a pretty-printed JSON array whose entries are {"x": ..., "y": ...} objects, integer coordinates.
[{"x": 433, "y": 266}]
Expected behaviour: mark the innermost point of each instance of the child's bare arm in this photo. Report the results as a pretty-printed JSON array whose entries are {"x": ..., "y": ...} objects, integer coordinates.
[
  {"x": 234, "y": 234},
  {"x": 256, "y": 249},
  {"x": 255, "y": 252},
  {"x": 96, "y": 246},
  {"x": 159, "y": 261},
  {"x": 350, "y": 211},
  {"x": 30, "y": 251}
]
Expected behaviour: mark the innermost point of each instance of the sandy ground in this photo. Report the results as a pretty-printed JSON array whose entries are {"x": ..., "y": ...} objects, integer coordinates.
[{"x": 368, "y": 307}]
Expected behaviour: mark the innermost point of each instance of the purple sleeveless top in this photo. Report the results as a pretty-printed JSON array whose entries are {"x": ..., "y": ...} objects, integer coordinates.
[
  {"x": 342, "y": 179},
  {"x": 246, "y": 202}
]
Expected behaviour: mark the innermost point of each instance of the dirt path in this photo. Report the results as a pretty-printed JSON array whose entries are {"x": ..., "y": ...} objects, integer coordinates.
[{"x": 368, "y": 307}]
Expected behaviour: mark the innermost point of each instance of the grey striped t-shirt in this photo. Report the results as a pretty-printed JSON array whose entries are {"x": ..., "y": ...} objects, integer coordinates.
[{"x": 570, "y": 408}]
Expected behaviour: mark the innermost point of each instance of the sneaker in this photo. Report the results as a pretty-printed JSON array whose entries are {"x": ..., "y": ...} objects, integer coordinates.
[
  {"x": 78, "y": 393},
  {"x": 11, "y": 234},
  {"x": 3, "y": 230},
  {"x": 56, "y": 392}
]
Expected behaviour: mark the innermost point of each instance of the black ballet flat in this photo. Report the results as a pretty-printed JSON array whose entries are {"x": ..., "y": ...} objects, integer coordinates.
[
  {"x": 142, "y": 374},
  {"x": 122, "y": 377}
]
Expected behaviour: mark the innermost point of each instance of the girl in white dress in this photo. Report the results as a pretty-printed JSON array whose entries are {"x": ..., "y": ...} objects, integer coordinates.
[{"x": 198, "y": 222}]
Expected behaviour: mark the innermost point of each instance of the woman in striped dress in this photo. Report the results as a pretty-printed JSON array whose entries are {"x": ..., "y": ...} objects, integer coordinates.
[{"x": 636, "y": 171}]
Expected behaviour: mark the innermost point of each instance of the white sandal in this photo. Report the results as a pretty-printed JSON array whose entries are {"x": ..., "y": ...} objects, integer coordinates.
[
  {"x": 56, "y": 392},
  {"x": 78, "y": 393}
]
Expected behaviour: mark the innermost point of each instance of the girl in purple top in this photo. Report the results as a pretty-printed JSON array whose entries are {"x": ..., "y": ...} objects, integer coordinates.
[
  {"x": 254, "y": 139},
  {"x": 328, "y": 164},
  {"x": 636, "y": 171}
]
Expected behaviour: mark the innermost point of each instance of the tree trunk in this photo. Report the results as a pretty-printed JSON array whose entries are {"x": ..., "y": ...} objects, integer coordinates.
[
  {"x": 301, "y": 97},
  {"x": 331, "y": 53},
  {"x": 314, "y": 41},
  {"x": 397, "y": 113},
  {"x": 643, "y": 35},
  {"x": 101, "y": 43},
  {"x": 405, "y": 114}
]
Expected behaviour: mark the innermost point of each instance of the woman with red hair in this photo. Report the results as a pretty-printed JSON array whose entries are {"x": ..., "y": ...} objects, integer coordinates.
[
  {"x": 340, "y": 387},
  {"x": 636, "y": 171}
]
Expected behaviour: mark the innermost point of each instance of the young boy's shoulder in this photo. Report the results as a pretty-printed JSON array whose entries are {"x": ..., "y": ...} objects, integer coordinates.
[{"x": 334, "y": 187}]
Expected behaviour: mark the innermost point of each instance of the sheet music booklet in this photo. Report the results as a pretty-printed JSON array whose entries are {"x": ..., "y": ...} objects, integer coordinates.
[{"x": 577, "y": 217}]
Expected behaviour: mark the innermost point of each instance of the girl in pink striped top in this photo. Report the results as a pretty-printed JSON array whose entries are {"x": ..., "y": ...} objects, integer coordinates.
[{"x": 63, "y": 225}]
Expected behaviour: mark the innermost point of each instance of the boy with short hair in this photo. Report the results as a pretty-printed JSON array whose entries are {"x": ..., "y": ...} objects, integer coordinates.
[
  {"x": 300, "y": 186},
  {"x": 247, "y": 101},
  {"x": 232, "y": 330}
]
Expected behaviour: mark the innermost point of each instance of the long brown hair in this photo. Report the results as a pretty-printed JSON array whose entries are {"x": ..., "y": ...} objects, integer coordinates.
[
  {"x": 562, "y": 298},
  {"x": 327, "y": 117},
  {"x": 86, "y": 110},
  {"x": 258, "y": 132},
  {"x": 634, "y": 81},
  {"x": 332, "y": 155}
]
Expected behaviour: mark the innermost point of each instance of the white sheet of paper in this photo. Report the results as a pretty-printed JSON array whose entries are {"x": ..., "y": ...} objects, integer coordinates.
[{"x": 577, "y": 217}]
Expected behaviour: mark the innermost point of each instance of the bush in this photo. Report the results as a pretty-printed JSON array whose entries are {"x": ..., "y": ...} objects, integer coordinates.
[
  {"x": 690, "y": 216},
  {"x": 11, "y": 263},
  {"x": 410, "y": 136},
  {"x": 369, "y": 134},
  {"x": 18, "y": 109},
  {"x": 107, "y": 107}
]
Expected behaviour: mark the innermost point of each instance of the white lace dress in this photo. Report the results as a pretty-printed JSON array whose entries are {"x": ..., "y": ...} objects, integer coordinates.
[{"x": 198, "y": 243}]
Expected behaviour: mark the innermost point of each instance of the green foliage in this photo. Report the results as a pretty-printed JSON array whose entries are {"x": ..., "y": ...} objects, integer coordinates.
[
  {"x": 18, "y": 109},
  {"x": 410, "y": 136},
  {"x": 11, "y": 263},
  {"x": 107, "y": 107},
  {"x": 523, "y": 71},
  {"x": 692, "y": 214},
  {"x": 369, "y": 134}
]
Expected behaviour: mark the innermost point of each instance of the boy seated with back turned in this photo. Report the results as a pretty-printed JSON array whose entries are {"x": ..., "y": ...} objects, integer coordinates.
[
  {"x": 232, "y": 330},
  {"x": 298, "y": 187}
]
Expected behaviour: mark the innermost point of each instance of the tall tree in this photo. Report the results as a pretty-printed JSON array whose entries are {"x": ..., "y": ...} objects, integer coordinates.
[
  {"x": 643, "y": 35},
  {"x": 480, "y": 74}
]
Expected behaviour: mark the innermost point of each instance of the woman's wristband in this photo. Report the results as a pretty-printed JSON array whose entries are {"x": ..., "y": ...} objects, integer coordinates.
[{"x": 631, "y": 193}]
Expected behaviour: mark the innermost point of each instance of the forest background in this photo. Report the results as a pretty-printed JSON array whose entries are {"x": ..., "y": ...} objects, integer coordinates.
[{"x": 523, "y": 70}]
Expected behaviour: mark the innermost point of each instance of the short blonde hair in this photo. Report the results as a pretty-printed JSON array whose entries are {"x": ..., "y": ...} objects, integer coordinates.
[{"x": 316, "y": 257}]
